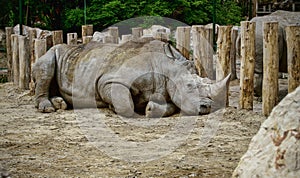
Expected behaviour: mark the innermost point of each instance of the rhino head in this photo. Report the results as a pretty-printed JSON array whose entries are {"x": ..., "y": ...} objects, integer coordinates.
[{"x": 197, "y": 96}]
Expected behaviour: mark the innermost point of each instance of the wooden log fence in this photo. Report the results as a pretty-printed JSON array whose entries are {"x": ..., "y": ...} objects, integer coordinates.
[
  {"x": 23, "y": 51},
  {"x": 293, "y": 56},
  {"x": 270, "y": 67},
  {"x": 247, "y": 65},
  {"x": 183, "y": 40},
  {"x": 223, "y": 55}
]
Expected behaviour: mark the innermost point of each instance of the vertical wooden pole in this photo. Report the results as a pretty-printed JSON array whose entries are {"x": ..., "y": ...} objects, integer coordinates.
[
  {"x": 87, "y": 30},
  {"x": 32, "y": 36},
  {"x": 114, "y": 32},
  {"x": 162, "y": 36},
  {"x": 223, "y": 54},
  {"x": 183, "y": 40},
  {"x": 86, "y": 39},
  {"x": 137, "y": 33},
  {"x": 270, "y": 67},
  {"x": 203, "y": 50},
  {"x": 57, "y": 37},
  {"x": 126, "y": 38},
  {"x": 72, "y": 38},
  {"x": 40, "y": 48},
  {"x": 247, "y": 65},
  {"x": 293, "y": 56},
  {"x": 15, "y": 58},
  {"x": 234, "y": 35},
  {"x": 8, "y": 33},
  {"x": 24, "y": 62}
]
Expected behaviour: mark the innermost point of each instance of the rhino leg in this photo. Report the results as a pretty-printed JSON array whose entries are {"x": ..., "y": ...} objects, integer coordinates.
[
  {"x": 58, "y": 103},
  {"x": 120, "y": 99},
  {"x": 43, "y": 73},
  {"x": 155, "y": 110}
]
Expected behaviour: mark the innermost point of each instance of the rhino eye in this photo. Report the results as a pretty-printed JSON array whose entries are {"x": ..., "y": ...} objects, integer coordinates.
[{"x": 190, "y": 86}]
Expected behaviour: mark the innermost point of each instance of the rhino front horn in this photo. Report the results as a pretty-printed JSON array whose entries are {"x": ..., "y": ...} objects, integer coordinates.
[{"x": 218, "y": 92}]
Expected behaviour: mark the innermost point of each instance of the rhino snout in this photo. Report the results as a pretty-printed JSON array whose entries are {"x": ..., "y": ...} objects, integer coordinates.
[{"x": 205, "y": 106}]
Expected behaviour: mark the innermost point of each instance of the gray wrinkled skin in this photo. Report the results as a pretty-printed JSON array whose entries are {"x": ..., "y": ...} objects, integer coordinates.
[
  {"x": 284, "y": 18},
  {"x": 137, "y": 77}
]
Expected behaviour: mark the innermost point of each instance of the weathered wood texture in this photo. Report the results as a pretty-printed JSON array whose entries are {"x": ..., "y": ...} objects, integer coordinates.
[
  {"x": 137, "y": 32},
  {"x": 31, "y": 37},
  {"x": 223, "y": 54},
  {"x": 8, "y": 33},
  {"x": 15, "y": 58},
  {"x": 247, "y": 65},
  {"x": 126, "y": 38},
  {"x": 270, "y": 67},
  {"x": 293, "y": 56},
  {"x": 162, "y": 36},
  {"x": 57, "y": 37},
  {"x": 24, "y": 62},
  {"x": 40, "y": 48},
  {"x": 203, "y": 50},
  {"x": 87, "y": 30},
  {"x": 233, "y": 51},
  {"x": 86, "y": 39},
  {"x": 114, "y": 33},
  {"x": 72, "y": 38},
  {"x": 183, "y": 40}
]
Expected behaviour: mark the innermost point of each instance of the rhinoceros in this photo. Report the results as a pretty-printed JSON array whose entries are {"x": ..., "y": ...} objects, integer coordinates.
[
  {"x": 142, "y": 77},
  {"x": 284, "y": 18}
]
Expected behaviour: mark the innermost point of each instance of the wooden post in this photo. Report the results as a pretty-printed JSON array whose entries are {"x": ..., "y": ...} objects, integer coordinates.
[
  {"x": 162, "y": 36},
  {"x": 270, "y": 67},
  {"x": 137, "y": 32},
  {"x": 15, "y": 58},
  {"x": 234, "y": 35},
  {"x": 126, "y": 38},
  {"x": 8, "y": 33},
  {"x": 86, "y": 39},
  {"x": 247, "y": 65},
  {"x": 24, "y": 62},
  {"x": 40, "y": 48},
  {"x": 223, "y": 54},
  {"x": 49, "y": 41},
  {"x": 72, "y": 38},
  {"x": 87, "y": 30},
  {"x": 183, "y": 40},
  {"x": 293, "y": 56},
  {"x": 57, "y": 37},
  {"x": 114, "y": 32},
  {"x": 203, "y": 50},
  {"x": 32, "y": 36}
]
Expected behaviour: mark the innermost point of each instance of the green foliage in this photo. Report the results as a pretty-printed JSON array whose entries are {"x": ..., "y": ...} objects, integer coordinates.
[{"x": 69, "y": 15}]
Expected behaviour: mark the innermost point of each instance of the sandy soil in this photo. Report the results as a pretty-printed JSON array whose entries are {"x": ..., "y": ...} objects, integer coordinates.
[{"x": 33, "y": 144}]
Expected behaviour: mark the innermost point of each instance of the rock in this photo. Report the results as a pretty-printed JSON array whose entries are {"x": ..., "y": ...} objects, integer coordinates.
[{"x": 275, "y": 150}]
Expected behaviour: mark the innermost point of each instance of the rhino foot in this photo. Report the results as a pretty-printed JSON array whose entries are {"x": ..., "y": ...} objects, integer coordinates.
[
  {"x": 155, "y": 110},
  {"x": 45, "y": 106},
  {"x": 58, "y": 103}
]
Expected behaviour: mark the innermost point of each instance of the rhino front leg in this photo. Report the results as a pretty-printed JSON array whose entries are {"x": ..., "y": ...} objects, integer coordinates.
[
  {"x": 120, "y": 98},
  {"x": 43, "y": 73}
]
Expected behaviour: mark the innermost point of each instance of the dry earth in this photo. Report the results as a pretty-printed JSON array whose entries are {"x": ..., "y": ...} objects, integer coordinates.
[{"x": 56, "y": 145}]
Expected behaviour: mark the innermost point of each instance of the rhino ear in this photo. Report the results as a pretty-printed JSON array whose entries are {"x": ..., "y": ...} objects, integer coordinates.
[{"x": 220, "y": 87}]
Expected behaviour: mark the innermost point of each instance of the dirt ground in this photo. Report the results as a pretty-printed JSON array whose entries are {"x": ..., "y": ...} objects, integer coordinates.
[{"x": 34, "y": 144}]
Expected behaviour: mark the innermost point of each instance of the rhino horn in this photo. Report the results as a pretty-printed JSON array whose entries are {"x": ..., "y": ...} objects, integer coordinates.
[{"x": 218, "y": 92}]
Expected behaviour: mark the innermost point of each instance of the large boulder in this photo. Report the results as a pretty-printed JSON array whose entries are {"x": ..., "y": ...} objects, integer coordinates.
[{"x": 275, "y": 150}]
